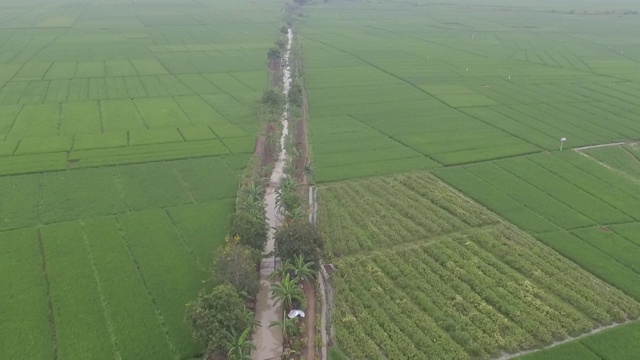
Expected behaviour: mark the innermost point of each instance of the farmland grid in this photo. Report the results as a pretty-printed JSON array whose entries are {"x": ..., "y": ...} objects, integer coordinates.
[
  {"x": 123, "y": 129},
  {"x": 116, "y": 119},
  {"x": 479, "y": 96}
]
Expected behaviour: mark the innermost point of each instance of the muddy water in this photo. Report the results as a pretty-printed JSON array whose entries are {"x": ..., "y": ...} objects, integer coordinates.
[{"x": 268, "y": 341}]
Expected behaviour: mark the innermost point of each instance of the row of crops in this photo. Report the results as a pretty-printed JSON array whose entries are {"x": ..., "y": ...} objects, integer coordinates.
[
  {"x": 435, "y": 275},
  {"x": 115, "y": 285},
  {"x": 75, "y": 194},
  {"x": 406, "y": 209},
  {"x": 242, "y": 86},
  {"x": 108, "y": 116}
]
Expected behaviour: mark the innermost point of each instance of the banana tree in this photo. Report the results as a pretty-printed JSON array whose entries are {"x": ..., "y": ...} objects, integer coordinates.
[
  {"x": 287, "y": 292},
  {"x": 288, "y": 327},
  {"x": 239, "y": 346},
  {"x": 301, "y": 269}
]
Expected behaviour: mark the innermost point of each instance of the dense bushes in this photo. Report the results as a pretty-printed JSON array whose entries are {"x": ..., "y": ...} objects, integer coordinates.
[
  {"x": 214, "y": 316},
  {"x": 298, "y": 237}
]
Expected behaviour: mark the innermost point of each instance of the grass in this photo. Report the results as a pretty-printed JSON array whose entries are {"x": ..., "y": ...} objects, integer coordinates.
[{"x": 422, "y": 272}]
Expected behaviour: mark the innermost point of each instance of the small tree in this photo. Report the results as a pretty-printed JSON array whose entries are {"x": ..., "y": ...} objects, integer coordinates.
[
  {"x": 212, "y": 315},
  {"x": 272, "y": 99},
  {"x": 239, "y": 345},
  {"x": 302, "y": 269},
  {"x": 251, "y": 228},
  {"x": 254, "y": 191},
  {"x": 288, "y": 327},
  {"x": 281, "y": 271},
  {"x": 236, "y": 264},
  {"x": 295, "y": 95},
  {"x": 274, "y": 53},
  {"x": 287, "y": 292},
  {"x": 298, "y": 237},
  {"x": 287, "y": 194}
]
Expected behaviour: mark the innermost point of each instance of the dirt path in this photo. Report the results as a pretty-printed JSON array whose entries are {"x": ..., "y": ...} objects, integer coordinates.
[
  {"x": 592, "y": 332},
  {"x": 323, "y": 320},
  {"x": 268, "y": 340},
  {"x": 310, "y": 319},
  {"x": 598, "y": 146}
]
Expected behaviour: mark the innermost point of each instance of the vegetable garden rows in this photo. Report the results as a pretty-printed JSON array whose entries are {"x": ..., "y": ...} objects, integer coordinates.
[{"x": 434, "y": 275}]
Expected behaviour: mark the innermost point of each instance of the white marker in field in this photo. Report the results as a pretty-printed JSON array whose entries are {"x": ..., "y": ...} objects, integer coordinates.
[
  {"x": 562, "y": 140},
  {"x": 509, "y": 77}
]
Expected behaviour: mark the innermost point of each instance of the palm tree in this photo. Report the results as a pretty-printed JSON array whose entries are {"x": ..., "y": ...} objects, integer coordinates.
[
  {"x": 287, "y": 292},
  {"x": 301, "y": 269},
  {"x": 288, "y": 327},
  {"x": 239, "y": 346}
]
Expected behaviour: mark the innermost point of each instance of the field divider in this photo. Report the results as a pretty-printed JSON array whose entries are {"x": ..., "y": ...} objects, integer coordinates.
[
  {"x": 105, "y": 307},
  {"x": 182, "y": 240},
  {"x": 159, "y": 316},
  {"x": 390, "y": 137},
  {"x": 52, "y": 321},
  {"x": 13, "y": 122},
  {"x": 607, "y": 166},
  {"x": 524, "y": 180},
  {"x": 570, "y": 339}
]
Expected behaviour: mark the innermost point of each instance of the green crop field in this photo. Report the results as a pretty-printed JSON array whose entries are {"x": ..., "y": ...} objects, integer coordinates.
[
  {"x": 625, "y": 159},
  {"x": 124, "y": 126},
  {"x": 580, "y": 208},
  {"x": 609, "y": 345},
  {"x": 422, "y": 272},
  {"x": 480, "y": 96},
  {"x": 395, "y": 86}
]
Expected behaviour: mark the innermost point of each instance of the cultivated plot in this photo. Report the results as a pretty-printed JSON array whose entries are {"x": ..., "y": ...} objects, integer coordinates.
[
  {"x": 123, "y": 128},
  {"x": 432, "y": 274},
  {"x": 584, "y": 210}
]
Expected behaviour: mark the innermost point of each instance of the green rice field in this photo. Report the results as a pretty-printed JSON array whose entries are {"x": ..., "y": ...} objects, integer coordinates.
[
  {"x": 124, "y": 127},
  {"x": 396, "y": 86}
]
